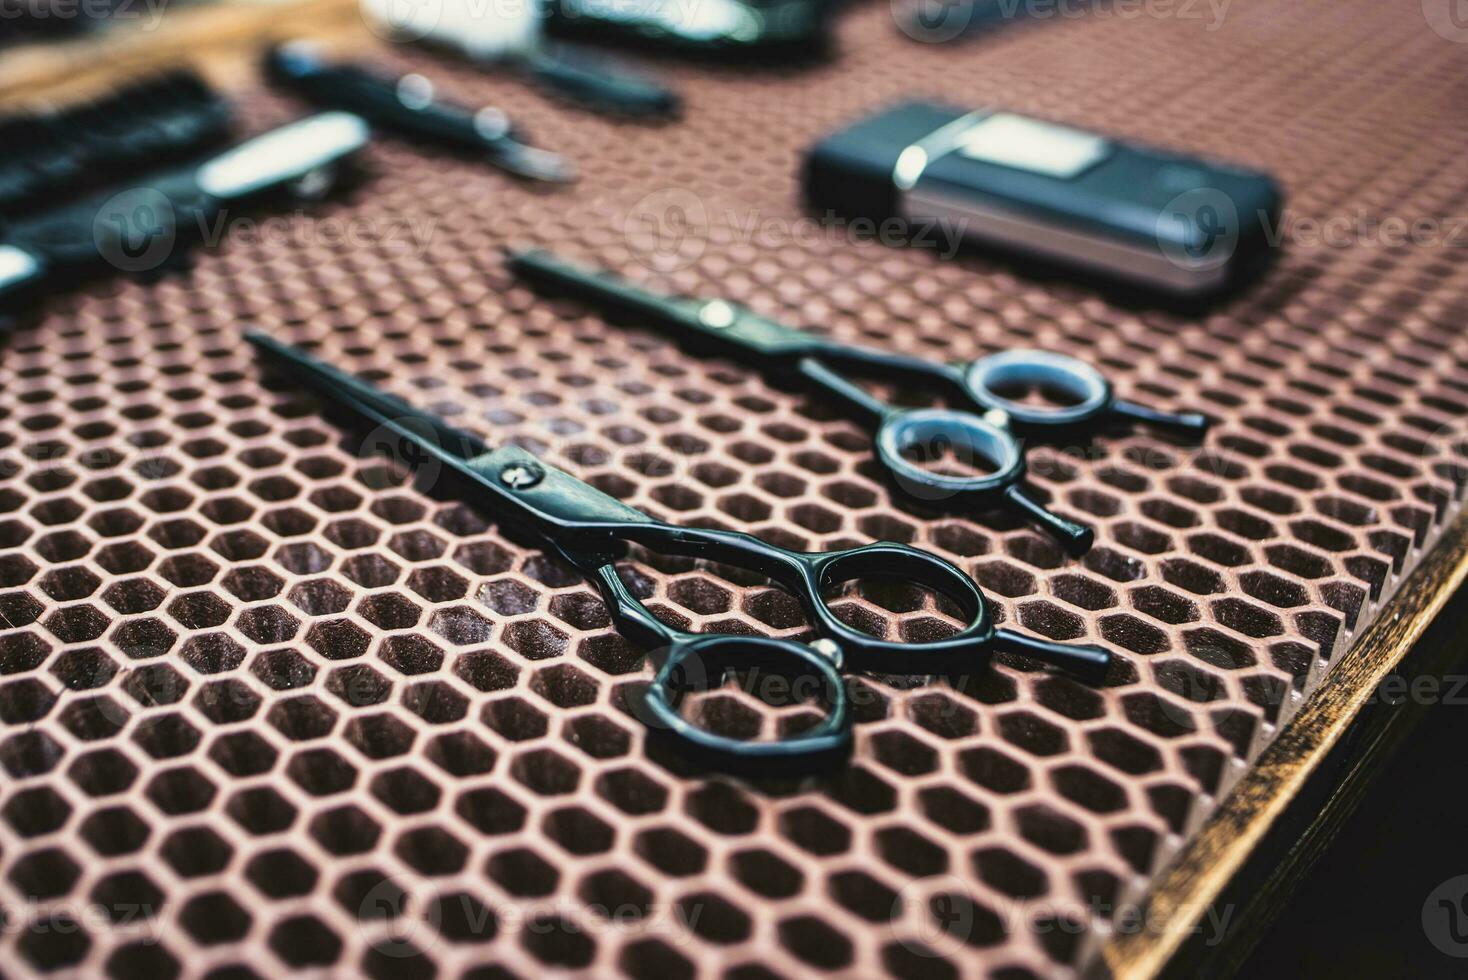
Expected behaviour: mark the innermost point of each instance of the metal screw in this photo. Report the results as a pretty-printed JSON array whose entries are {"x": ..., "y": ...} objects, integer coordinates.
[
  {"x": 997, "y": 417},
  {"x": 520, "y": 476},
  {"x": 829, "y": 649},
  {"x": 717, "y": 314}
]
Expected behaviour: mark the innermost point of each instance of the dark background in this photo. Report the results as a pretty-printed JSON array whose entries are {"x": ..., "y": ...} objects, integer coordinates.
[{"x": 1359, "y": 911}]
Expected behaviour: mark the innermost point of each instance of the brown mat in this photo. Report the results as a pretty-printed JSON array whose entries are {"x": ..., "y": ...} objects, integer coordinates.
[{"x": 259, "y": 692}]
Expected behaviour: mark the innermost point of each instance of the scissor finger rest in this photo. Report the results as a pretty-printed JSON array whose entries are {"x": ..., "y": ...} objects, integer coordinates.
[
  {"x": 1087, "y": 397},
  {"x": 929, "y": 435},
  {"x": 905, "y": 437},
  {"x": 699, "y": 662},
  {"x": 809, "y": 575}
]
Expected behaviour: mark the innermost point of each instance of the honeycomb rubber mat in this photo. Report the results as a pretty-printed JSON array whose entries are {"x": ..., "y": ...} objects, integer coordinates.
[{"x": 270, "y": 704}]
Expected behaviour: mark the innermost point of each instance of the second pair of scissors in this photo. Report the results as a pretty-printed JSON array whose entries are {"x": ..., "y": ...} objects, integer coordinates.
[{"x": 908, "y": 441}]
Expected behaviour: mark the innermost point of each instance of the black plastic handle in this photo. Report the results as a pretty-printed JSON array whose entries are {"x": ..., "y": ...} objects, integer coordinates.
[{"x": 591, "y": 82}]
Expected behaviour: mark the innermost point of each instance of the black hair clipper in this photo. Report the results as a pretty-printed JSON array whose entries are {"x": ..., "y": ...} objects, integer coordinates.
[
  {"x": 146, "y": 227},
  {"x": 1174, "y": 225}
]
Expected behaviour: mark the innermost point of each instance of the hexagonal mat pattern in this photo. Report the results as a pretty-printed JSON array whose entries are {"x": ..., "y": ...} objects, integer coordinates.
[{"x": 268, "y": 703}]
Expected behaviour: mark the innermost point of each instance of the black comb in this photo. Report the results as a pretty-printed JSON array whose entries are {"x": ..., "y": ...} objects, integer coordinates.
[{"x": 140, "y": 126}]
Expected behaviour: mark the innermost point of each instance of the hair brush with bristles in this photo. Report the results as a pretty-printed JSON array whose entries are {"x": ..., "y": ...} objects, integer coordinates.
[{"x": 154, "y": 121}]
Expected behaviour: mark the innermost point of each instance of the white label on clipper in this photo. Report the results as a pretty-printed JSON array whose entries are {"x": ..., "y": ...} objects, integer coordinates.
[{"x": 1029, "y": 144}]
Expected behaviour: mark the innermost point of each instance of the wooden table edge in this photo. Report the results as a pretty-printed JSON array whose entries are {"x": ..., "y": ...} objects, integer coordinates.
[{"x": 1202, "y": 870}]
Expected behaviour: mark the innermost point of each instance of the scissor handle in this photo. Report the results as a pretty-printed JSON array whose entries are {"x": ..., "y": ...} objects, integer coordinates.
[
  {"x": 692, "y": 661},
  {"x": 965, "y": 649},
  {"x": 1089, "y": 395},
  {"x": 907, "y": 436},
  {"x": 906, "y": 564},
  {"x": 688, "y": 660},
  {"x": 809, "y": 575}
]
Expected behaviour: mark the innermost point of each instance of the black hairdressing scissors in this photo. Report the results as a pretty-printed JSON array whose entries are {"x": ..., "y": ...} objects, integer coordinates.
[
  {"x": 904, "y": 436},
  {"x": 589, "y": 530}
]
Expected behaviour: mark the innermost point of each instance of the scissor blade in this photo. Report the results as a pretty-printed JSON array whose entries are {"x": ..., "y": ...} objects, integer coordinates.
[
  {"x": 423, "y": 429},
  {"x": 602, "y": 288},
  {"x": 716, "y": 324}
]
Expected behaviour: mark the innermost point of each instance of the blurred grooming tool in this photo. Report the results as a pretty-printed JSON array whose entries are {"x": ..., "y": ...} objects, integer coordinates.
[
  {"x": 936, "y": 21},
  {"x": 137, "y": 126},
  {"x": 410, "y": 106},
  {"x": 719, "y": 28},
  {"x": 141, "y": 227},
  {"x": 509, "y": 33}
]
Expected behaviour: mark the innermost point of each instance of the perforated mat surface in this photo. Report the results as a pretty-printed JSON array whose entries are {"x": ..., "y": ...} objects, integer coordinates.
[{"x": 267, "y": 705}]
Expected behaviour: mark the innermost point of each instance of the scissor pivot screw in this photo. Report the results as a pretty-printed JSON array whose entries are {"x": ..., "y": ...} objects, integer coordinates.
[
  {"x": 829, "y": 649},
  {"x": 717, "y": 314},
  {"x": 997, "y": 417},
  {"x": 521, "y": 476}
]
